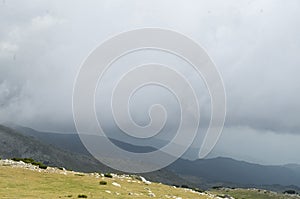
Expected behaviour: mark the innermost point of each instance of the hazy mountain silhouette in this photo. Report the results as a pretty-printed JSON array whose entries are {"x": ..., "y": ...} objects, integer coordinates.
[
  {"x": 203, "y": 173},
  {"x": 63, "y": 150},
  {"x": 227, "y": 170}
]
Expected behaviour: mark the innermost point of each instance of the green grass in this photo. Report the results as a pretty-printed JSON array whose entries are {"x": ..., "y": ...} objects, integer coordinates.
[{"x": 24, "y": 183}]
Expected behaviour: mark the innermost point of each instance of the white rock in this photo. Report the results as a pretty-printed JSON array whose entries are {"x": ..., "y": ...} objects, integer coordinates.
[
  {"x": 151, "y": 194},
  {"x": 116, "y": 184},
  {"x": 21, "y": 163},
  {"x": 145, "y": 181}
]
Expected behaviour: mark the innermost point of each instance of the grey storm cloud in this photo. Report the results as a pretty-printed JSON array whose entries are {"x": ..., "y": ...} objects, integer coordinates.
[{"x": 255, "y": 45}]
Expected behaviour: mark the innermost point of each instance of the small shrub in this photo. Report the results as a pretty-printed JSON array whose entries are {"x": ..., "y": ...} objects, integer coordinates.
[
  {"x": 136, "y": 177},
  {"x": 292, "y": 192},
  {"x": 103, "y": 183},
  {"x": 31, "y": 161},
  {"x": 39, "y": 164},
  {"x": 82, "y": 196},
  {"x": 79, "y": 174},
  {"x": 217, "y": 187},
  {"x": 198, "y": 190},
  {"x": 42, "y": 166},
  {"x": 185, "y": 186},
  {"x": 16, "y": 159},
  {"x": 36, "y": 163},
  {"x": 108, "y": 175},
  {"x": 27, "y": 160}
]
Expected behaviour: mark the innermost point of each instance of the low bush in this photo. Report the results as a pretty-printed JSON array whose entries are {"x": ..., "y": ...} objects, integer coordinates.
[
  {"x": 290, "y": 192},
  {"x": 185, "y": 186},
  {"x": 136, "y": 177},
  {"x": 108, "y": 175},
  {"x": 36, "y": 163},
  {"x": 31, "y": 161},
  {"x": 79, "y": 174},
  {"x": 17, "y": 159},
  {"x": 198, "y": 190},
  {"x": 39, "y": 164},
  {"x": 27, "y": 160},
  {"x": 103, "y": 183},
  {"x": 217, "y": 187},
  {"x": 82, "y": 196},
  {"x": 42, "y": 166}
]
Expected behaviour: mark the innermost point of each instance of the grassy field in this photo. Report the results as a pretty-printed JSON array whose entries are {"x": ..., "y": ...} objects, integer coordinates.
[{"x": 24, "y": 183}]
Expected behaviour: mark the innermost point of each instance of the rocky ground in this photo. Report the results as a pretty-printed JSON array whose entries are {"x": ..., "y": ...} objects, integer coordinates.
[
  {"x": 117, "y": 184},
  {"x": 30, "y": 181}
]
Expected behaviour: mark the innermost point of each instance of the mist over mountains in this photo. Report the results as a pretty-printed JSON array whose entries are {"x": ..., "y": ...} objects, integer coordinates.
[{"x": 67, "y": 150}]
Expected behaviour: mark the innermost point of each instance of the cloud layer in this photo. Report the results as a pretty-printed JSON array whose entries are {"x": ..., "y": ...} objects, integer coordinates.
[{"x": 255, "y": 45}]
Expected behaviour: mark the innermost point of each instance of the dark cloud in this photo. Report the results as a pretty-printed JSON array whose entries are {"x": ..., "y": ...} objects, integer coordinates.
[{"x": 255, "y": 45}]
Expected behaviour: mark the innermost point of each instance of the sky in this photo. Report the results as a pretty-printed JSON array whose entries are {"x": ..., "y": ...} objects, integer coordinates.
[{"x": 254, "y": 44}]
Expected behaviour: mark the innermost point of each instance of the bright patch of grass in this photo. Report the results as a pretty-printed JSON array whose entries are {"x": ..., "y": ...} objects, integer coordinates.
[{"x": 24, "y": 183}]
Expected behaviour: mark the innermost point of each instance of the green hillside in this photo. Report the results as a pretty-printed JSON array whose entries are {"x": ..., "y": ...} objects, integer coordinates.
[
  {"x": 17, "y": 181},
  {"x": 21, "y": 180}
]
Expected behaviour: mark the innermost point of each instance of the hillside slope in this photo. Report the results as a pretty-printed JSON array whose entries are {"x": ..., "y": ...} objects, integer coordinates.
[{"x": 19, "y": 180}]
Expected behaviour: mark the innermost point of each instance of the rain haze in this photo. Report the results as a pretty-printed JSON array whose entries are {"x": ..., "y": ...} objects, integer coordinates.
[{"x": 254, "y": 44}]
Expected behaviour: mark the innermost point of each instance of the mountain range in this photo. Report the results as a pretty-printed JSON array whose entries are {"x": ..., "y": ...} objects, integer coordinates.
[{"x": 66, "y": 150}]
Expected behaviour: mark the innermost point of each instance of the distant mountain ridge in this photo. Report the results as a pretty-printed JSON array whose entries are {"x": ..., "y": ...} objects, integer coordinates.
[
  {"x": 72, "y": 142},
  {"x": 203, "y": 173},
  {"x": 227, "y": 170},
  {"x": 14, "y": 144},
  {"x": 45, "y": 148}
]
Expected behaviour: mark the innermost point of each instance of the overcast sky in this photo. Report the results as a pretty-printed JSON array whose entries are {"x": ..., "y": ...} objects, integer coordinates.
[{"x": 254, "y": 44}]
